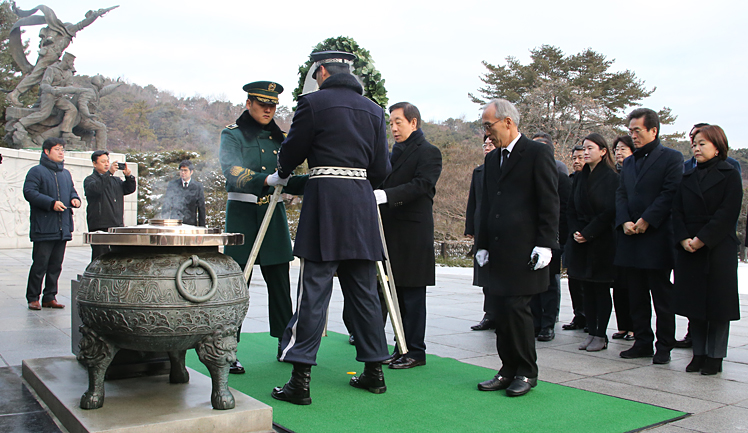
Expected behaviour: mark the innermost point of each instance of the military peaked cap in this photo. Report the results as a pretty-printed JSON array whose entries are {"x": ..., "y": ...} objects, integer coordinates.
[{"x": 264, "y": 91}]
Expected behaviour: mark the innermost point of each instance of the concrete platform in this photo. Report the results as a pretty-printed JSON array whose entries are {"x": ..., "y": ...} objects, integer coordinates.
[{"x": 142, "y": 405}]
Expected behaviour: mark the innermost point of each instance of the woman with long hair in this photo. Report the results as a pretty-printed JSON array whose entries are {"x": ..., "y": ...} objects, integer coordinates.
[
  {"x": 591, "y": 215},
  {"x": 705, "y": 212}
]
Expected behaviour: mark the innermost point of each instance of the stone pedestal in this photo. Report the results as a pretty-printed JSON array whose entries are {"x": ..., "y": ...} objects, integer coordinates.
[{"x": 142, "y": 405}]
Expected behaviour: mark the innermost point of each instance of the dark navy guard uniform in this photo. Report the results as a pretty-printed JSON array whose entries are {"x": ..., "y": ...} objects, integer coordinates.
[
  {"x": 342, "y": 136},
  {"x": 338, "y": 229}
]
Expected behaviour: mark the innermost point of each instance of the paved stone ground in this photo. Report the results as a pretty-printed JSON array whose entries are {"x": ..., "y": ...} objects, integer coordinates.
[{"x": 717, "y": 403}]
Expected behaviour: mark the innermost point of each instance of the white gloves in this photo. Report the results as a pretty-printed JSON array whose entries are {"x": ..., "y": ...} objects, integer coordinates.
[
  {"x": 275, "y": 180},
  {"x": 481, "y": 257},
  {"x": 380, "y": 196},
  {"x": 544, "y": 257}
]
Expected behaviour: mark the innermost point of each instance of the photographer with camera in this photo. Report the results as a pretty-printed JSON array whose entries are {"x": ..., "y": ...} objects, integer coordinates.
[{"x": 106, "y": 196}]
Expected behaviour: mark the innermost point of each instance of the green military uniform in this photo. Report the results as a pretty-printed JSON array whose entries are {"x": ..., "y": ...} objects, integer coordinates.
[{"x": 248, "y": 154}]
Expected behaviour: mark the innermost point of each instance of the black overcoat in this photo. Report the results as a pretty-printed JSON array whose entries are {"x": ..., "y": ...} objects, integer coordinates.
[
  {"x": 706, "y": 282},
  {"x": 648, "y": 194},
  {"x": 564, "y": 190},
  {"x": 591, "y": 212},
  {"x": 338, "y": 127},
  {"x": 472, "y": 221},
  {"x": 520, "y": 209},
  {"x": 186, "y": 204},
  {"x": 407, "y": 216}
]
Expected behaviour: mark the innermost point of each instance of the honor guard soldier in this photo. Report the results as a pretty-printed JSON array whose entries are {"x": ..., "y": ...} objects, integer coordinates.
[
  {"x": 342, "y": 135},
  {"x": 248, "y": 155}
]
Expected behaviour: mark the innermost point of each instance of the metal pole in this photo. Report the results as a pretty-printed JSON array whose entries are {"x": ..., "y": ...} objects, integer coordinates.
[
  {"x": 390, "y": 293},
  {"x": 261, "y": 233}
]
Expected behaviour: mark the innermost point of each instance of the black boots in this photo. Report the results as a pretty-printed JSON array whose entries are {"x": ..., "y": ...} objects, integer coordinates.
[
  {"x": 372, "y": 380},
  {"x": 296, "y": 391},
  {"x": 696, "y": 363},
  {"x": 711, "y": 366}
]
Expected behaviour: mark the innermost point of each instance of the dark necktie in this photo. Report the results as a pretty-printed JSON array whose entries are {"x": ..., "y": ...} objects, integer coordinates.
[
  {"x": 504, "y": 158},
  {"x": 184, "y": 185}
]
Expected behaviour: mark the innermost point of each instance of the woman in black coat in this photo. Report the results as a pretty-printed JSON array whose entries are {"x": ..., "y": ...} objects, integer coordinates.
[
  {"x": 591, "y": 215},
  {"x": 623, "y": 147},
  {"x": 705, "y": 213}
]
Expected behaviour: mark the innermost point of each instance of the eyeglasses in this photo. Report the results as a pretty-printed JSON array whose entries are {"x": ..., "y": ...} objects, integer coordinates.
[{"x": 487, "y": 126}]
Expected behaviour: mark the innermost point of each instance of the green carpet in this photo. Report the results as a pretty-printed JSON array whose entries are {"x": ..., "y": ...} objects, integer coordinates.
[{"x": 439, "y": 397}]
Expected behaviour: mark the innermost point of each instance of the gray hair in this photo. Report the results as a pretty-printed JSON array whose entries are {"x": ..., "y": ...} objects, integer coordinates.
[{"x": 504, "y": 109}]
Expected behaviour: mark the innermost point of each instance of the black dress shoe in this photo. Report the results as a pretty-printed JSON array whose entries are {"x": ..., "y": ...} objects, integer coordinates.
[
  {"x": 394, "y": 357},
  {"x": 661, "y": 357},
  {"x": 685, "y": 343},
  {"x": 296, "y": 391},
  {"x": 546, "y": 334},
  {"x": 406, "y": 361},
  {"x": 711, "y": 366},
  {"x": 236, "y": 368},
  {"x": 484, "y": 325},
  {"x": 351, "y": 340},
  {"x": 636, "y": 352},
  {"x": 696, "y": 363},
  {"x": 371, "y": 380},
  {"x": 498, "y": 383},
  {"x": 521, "y": 385},
  {"x": 575, "y": 324}
]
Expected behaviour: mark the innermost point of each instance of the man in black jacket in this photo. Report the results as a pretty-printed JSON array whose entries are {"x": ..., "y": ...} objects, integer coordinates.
[
  {"x": 644, "y": 201},
  {"x": 106, "y": 197},
  {"x": 518, "y": 228},
  {"x": 50, "y": 191},
  {"x": 184, "y": 198},
  {"x": 407, "y": 197},
  {"x": 342, "y": 135}
]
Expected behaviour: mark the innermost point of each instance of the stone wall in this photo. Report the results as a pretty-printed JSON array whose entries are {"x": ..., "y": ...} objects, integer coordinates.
[{"x": 14, "y": 209}]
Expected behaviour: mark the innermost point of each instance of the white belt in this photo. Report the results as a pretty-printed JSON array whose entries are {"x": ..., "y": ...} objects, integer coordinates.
[
  {"x": 249, "y": 198},
  {"x": 339, "y": 172}
]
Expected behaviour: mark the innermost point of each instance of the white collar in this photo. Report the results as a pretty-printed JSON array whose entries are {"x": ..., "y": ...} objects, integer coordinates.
[{"x": 511, "y": 145}]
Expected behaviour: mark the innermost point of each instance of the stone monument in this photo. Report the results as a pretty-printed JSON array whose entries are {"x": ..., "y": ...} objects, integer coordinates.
[{"x": 61, "y": 106}]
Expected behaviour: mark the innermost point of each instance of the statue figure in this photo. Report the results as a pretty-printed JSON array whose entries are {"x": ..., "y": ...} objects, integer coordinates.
[
  {"x": 55, "y": 85},
  {"x": 87, "y": 104},
  {"x": 54, "y": 39}
]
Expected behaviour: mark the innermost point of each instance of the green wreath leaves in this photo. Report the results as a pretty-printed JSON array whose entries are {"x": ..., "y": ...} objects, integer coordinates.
[{"x": 363, "y": 67}]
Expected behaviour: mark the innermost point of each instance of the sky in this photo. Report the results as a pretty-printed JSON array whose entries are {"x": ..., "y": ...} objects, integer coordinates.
[{"x": 428, "y": 52}]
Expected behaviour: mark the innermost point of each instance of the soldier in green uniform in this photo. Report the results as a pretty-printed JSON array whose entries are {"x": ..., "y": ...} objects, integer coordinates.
[{"x": 248, "y": 155}]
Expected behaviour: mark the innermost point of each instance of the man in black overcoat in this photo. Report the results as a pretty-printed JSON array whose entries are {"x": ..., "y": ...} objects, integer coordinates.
[
  {"x": 343, "y": 137},
  {"x": 518, "y": 229},
  {"x": 644, "y": 200},
  {"x": 472, "y": 223},
  {"x": 184, "y": 198},
  {"x": 406, "y": 199},
  {"x": 545, "y": 305}
]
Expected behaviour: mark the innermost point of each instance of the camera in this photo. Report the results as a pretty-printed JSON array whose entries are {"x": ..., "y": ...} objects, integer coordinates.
[{"x": 121, "y": 165}]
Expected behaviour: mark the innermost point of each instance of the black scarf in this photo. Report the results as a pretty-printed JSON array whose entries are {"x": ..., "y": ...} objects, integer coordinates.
[
  {"x": 703, "y": 168},
  {"x": 399, "y": 148},
  {"x": 641, "y": 153}
]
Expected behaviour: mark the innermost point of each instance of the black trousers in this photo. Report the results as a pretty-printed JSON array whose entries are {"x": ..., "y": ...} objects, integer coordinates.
[
  {"x": 577, "y": 301},
  {"x": 47, "y": 259},
  {"x": 710, "y": 337},
  {"x": 412, "y": 302},
  {"x": 621, "y": 301},
  {"x": 642, "y": 282},
  {"x": 488, "y": 304},
  {"x": 544, "y": 305},
  {"x": 515, "y": 337},
  {"x": 358, "y": 280},
  {"x": 597, "y": 307}
]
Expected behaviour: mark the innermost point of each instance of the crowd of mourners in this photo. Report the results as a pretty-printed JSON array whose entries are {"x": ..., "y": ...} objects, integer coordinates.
[{"x": 637, "y": 219}]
